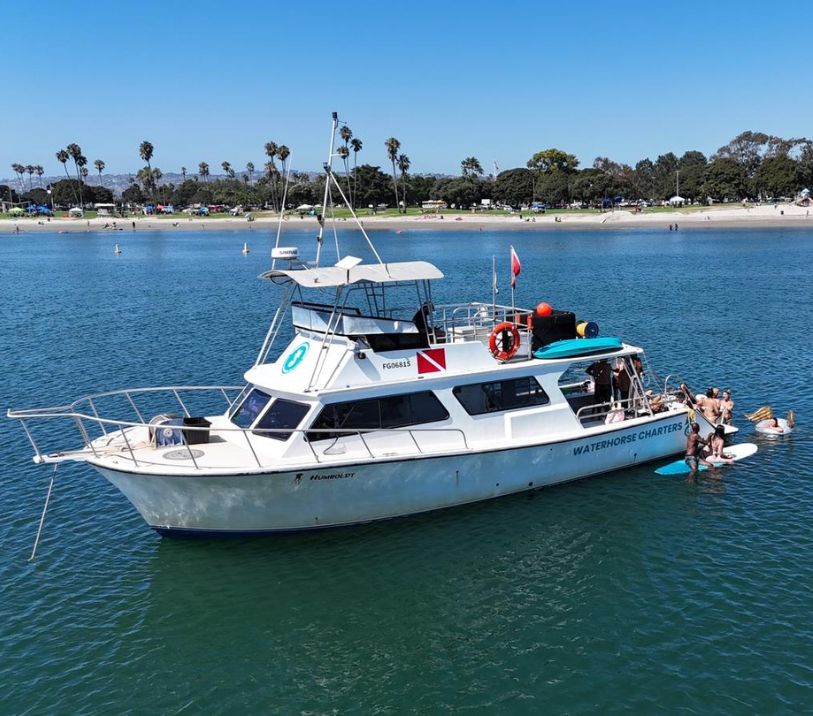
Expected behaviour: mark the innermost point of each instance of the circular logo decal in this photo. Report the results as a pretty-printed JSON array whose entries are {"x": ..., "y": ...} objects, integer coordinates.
[{"x": 295, "y": 358}]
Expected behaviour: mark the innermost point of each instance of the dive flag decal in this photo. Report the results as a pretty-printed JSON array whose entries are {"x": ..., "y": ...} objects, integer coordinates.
[{"x": 432, "y": 360}]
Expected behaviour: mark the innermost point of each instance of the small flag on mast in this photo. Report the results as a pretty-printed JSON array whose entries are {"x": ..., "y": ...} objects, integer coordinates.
[{"x": 516, "y": 267}]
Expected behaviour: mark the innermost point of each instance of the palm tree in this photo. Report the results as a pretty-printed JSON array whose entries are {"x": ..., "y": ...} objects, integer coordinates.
[
  {"x": 99, "y": 164},
  {"x": 357, "y": 144},
  {"x": 156, "y": 177},
  {"x": 250, "y": 170},
  {"x": 471, "y": 166},
  {"x": 145, "y": 151},
  {"x": 75, "y": 153},
  {"x": 29, "y": 169},
  {"x": 283, "y": 153},
  {"x": 183, "y": 173},
  {"x": 403, "y": 167},
  {"x": 83, "y": 170},
  {"x": 393, "y": 145},
  {"x": 63, "y": 156},
  {"x": 203, "y": 170},
  {"x": 227, "y": 169},
  {"x": 40, "y": 171},
  {"x": 344, "y": 153},
  {"x": 271, "y": 150},
  {"x": 19, "y": 170}
]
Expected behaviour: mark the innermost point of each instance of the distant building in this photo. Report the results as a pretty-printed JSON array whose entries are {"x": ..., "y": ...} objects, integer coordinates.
[
  {"x": 105, "y": 209},
  {"x": 434, "y": 205}
]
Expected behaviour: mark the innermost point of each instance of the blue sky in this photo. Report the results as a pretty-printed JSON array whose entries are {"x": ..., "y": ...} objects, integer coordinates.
[{"x": 213, "y": 81}]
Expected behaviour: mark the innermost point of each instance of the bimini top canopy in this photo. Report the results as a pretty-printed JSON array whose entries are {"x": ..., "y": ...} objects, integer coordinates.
[{"x": 332, "y": 276}]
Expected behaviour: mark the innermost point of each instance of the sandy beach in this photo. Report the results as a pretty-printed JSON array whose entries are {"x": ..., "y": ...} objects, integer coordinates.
[{"x": 736, "y": 216}]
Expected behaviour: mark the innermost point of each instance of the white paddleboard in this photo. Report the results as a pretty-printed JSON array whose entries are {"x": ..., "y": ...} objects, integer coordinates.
[{"x": 736, "y": 452}]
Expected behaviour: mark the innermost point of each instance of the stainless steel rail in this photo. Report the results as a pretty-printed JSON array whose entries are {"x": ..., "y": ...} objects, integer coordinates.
[{"x": 140, "y": 455}]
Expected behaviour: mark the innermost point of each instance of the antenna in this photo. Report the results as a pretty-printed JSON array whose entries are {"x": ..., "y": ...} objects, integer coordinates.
[{"x": 328, "y": 164}]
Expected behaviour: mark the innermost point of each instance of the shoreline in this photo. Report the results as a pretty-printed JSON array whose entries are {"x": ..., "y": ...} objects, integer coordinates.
[{"x": 781, "y": 216}]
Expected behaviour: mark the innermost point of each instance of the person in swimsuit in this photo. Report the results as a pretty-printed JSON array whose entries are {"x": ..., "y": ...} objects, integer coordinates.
[
  {"x": 727, "y": 408},
  {"x": 716, "y": 446},
  {"x": 694, "y": 450},
  {"x": 711, "y": 407},
  {"x": 773, "y": 426}
]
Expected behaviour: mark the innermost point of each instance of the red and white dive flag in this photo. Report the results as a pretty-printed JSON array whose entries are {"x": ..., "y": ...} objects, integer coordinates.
[
  {"x": 516, "y": 267},
  {"x": 431, "y": 360}
]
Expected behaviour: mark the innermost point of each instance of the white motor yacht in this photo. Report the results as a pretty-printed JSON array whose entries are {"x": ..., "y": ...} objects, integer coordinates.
[{"x": 382, "y": 405}]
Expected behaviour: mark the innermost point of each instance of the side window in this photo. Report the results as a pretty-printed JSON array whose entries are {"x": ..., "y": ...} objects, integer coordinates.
[
  {"x": 250, "y": 408},
  {"x": 393, "y": 411},
  {"x": 285, "y": 414},
  {"x": 481, "y": 398},
  {"x": 426, "y": 408}
]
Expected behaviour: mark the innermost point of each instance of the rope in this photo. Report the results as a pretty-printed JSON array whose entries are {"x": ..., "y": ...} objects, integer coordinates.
[{"x": 44, "y": 510}]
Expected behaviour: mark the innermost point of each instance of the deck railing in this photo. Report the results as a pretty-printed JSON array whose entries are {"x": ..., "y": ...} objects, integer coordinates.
[{"x": 84, "y": 413}]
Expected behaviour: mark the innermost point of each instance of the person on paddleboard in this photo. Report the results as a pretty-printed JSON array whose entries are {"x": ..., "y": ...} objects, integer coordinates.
[{"x": 694, "y": 450}]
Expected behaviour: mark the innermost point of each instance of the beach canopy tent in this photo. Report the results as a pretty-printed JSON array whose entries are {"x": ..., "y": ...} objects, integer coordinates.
[
  {"x": 677, "y": 200},
  {"x": 76, "y": 211}
]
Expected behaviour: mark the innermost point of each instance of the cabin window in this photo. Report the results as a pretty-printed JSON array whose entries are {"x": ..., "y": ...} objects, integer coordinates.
[
  {"x": 250, "y": 408},
  {"x": 481, "y": 398},
  {"x": 284, "y": 415},
  {"x": 392, "y": 411}
]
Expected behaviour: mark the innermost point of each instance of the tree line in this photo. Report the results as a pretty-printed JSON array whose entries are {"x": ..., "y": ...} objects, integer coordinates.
[{"x": 753, "y": 165}]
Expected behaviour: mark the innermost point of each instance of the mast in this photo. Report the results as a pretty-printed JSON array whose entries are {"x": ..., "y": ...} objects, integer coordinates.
[{"x": 328, "y": 165}]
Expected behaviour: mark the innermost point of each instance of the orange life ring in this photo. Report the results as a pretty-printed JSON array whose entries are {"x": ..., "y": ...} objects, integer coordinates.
[{"x": 508, "y": 347}]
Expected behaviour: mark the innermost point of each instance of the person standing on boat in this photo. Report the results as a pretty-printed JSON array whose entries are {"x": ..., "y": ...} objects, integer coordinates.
[
  {"x": 694, "y": 450},
  {"x": 602, "y": 376},
  {"x": 622, "y": 380}
]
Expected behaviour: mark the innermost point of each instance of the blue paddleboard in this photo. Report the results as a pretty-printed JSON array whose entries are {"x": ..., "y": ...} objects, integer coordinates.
[
  {"x": 573, "y": 347},
  {"x": 737, "y": 452}
]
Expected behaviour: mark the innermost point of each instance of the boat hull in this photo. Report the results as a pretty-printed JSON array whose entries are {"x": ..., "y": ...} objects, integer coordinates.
[{"x": 347, "y": 494}]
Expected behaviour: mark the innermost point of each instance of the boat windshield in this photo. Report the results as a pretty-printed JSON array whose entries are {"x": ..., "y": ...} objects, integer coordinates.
[
  {"x": 280, "y": 419},
  {"x": 250, "y": 408}
]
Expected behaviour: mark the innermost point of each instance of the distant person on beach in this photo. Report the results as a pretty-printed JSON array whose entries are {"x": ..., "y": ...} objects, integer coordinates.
[
  {"x": 134, "y": 226},
  {"x": 694, "y": 448}
]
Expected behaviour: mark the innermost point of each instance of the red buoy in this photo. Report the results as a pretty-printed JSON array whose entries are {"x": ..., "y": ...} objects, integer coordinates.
[{"x": 543, "y": 309}]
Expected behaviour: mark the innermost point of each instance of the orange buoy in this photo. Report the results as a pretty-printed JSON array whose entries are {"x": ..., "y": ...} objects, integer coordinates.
[
  {"x": 543, "y": 309},
  {"x": 504, "y": 341}
]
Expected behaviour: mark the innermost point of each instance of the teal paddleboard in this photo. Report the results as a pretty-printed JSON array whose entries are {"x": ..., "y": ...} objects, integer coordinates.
[
  {"x": 574, "y": 347},
  {"x": 737, "y": 452}
]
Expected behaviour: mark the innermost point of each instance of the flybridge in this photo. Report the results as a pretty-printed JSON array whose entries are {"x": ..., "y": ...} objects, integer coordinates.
[{"x": 337, "y": 276}]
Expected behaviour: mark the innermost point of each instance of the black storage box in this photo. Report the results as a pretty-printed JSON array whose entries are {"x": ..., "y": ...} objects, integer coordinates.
[
  {"x": 559, "y": 326},
  {"x": 196, "y": 437}
]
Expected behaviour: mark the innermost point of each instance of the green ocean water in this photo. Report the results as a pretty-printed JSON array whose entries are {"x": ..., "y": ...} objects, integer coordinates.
[{"x": 625, "y": 593}]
